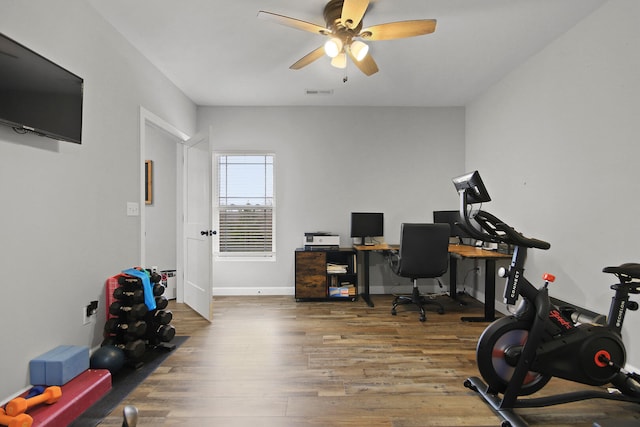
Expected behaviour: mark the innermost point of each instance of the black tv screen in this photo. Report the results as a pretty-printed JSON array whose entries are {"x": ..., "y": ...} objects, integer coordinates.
[
  {"x": 37, "y": 95},
  {"x": 367, "y": 224}
]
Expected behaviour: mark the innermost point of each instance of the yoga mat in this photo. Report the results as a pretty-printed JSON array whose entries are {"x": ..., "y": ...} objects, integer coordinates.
[{"x": 124, "y": 382}]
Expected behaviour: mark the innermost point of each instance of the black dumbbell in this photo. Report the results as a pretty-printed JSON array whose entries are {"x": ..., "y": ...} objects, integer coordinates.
[
  {"x": 130, "y": 330},
  {"x": 129, "y": 281},
  {"x": 163, "y": 333},
  {"x": 160, "y": 317},
  {"x": 158, "y": 289},
  {"x": 155, "y": 277},
  {"x": 161, "y": 302},
  {"x": 136, "y": 311},
  {"x": 134, "y": 296},
  {"x": 132, "y": 350}
]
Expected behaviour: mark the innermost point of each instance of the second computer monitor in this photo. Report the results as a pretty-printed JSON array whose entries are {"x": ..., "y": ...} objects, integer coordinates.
[
  {"x": 451, "y": 218},
  {"x": 367, "y": 225}
]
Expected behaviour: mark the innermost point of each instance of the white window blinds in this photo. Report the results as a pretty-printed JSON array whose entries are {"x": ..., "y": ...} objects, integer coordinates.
[{"x": 245, "y": 204}]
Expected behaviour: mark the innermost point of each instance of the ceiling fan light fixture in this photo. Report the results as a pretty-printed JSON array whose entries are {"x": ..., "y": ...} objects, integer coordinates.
[
  {"x": 333, "y": 47},
  {"x": 343, "y": 24},
  {"x": 340, "y": 60},
  {"x": 359, "y": 50}
]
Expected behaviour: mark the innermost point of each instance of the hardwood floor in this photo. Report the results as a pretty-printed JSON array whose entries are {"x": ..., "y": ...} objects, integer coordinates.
[{"x": 269, "y": 361}]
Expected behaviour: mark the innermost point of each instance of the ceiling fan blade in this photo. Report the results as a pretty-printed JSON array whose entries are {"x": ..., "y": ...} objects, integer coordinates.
[
  {"x": 399, "y": 30},
  {"x": 367, "y": 65},
  {"x": 353, "y": 11},
  {"x": 293, "y": 23},
  {"x": 308, "y": 58}
]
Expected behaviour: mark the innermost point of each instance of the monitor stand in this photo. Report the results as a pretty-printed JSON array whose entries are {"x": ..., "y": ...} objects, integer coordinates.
[{"x": 368, "y": 241}]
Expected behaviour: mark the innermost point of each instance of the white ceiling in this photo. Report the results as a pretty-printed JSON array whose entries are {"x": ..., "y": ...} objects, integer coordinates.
[{"x": 219, "y": 53}]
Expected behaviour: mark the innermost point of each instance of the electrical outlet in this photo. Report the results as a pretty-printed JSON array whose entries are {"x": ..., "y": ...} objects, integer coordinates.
[
  {"x": 88, "y": 312},
  {"x": 85, "y": 318},
  {"x": 133, "y": 209}
]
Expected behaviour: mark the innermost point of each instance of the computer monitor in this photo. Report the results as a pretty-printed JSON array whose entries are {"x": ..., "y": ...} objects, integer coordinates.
[
  {"x": 473, "y": 187},
  {"x": 451, "y": 218},
  {"x": 367, "y": 225}
]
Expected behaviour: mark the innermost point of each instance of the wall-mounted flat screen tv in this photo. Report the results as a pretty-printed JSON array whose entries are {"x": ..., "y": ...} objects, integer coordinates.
[{"x": 37, "y": 95}]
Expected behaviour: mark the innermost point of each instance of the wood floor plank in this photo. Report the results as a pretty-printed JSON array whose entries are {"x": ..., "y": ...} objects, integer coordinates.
[{"x": 269, "y": 361}]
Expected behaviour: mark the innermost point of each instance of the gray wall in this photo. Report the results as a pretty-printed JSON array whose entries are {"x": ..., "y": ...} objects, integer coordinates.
[
  {"x": 333, "y": 161},
  {"x": 63, "y": 223},
  {"x": 557, "y": 144},
  {"x": 160, "y": 216}
]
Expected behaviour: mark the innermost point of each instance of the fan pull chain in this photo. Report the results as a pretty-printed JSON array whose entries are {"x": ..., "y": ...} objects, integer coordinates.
[{"x": 346, "y": 77}]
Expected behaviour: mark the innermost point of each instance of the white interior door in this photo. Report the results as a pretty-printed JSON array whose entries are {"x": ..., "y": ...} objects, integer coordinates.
[{"x": 198, "y": 253}]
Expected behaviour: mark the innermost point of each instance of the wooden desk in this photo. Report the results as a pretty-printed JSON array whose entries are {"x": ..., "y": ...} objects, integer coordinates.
[
  {"x": 456, "y": 252},
  {"x": 490, "y": 257}
]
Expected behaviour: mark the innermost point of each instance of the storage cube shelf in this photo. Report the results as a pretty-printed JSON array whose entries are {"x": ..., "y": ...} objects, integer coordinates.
[{"x": 326, "y": 275}]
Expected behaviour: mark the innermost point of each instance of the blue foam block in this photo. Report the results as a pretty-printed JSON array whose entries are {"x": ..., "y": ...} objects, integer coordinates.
[{"x": 59, "y": 365}]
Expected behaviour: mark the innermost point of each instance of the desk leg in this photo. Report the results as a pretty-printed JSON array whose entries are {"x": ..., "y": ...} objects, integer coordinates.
[
  {"x": 489, "y": 294},
  {"x": 365, "y": 276},
  {"x": 453, "y": 277}
]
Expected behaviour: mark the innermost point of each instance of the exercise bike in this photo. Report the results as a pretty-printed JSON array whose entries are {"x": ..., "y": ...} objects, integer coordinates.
[{"x": 517, "y": 355}]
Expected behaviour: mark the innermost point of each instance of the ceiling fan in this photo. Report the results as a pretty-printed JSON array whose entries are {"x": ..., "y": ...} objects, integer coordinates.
[{"x": 344, "y": 24}]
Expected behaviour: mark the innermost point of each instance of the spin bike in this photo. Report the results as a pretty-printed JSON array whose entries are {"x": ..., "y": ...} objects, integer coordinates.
[{"x": 517, "y": 355}]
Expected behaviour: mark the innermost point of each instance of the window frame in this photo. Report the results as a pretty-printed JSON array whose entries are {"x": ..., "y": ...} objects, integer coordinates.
[{"x": 218, "y": 209}]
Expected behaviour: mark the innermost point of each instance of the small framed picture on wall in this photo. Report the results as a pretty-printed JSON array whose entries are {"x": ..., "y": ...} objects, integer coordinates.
[{"x": 148, "y": 181}]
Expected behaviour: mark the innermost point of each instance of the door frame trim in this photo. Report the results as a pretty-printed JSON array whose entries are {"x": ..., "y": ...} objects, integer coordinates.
[{"x": 147, "y": 117}]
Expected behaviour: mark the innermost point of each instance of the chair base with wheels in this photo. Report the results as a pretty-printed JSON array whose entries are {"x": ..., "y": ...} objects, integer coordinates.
[
  {"x": 416, "y": 299},
  {"x": 423, "y": 254}
]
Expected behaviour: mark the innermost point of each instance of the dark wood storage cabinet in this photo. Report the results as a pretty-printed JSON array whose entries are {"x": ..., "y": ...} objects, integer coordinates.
[{"x": 326, "y": 275}]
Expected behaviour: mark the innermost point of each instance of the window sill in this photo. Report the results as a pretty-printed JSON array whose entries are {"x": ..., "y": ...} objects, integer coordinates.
[{"x": 244, "y": 258}]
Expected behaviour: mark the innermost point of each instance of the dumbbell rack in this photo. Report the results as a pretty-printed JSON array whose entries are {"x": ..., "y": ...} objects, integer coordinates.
[{"x": 130, "y": 325}]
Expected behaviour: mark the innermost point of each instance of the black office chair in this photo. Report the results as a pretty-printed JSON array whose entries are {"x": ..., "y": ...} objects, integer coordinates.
[{"x": 424, "y": 253}]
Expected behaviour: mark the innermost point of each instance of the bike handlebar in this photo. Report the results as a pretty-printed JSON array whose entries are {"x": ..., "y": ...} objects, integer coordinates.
[{"x": 495, "y": 230}]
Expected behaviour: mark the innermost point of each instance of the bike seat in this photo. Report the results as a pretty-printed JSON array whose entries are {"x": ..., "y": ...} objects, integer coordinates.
[{"x": 630, "y": 269}]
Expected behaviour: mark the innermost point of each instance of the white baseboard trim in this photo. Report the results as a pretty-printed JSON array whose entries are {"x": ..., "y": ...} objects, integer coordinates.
[
  {"x": 377, "y": 290},
  {"x": 236, "y": 291}
]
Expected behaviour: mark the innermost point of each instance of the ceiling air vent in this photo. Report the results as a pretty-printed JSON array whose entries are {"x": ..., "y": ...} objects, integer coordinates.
[{"x": 319, "y": 91}]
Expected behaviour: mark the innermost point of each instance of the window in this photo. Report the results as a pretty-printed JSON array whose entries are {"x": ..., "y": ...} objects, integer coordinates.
[{"x": 245, "y": 205}]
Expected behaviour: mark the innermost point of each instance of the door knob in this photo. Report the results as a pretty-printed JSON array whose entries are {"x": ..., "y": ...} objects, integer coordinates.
[{"x": 208, "y": 232}]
